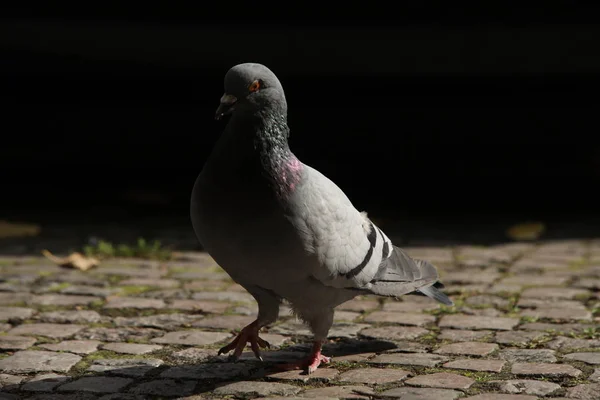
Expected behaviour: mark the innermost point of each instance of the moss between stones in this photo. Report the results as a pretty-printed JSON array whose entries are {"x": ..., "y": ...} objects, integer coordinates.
[
  {"x": 132, "y": 290},
  {"x": 57, "y": 287}
]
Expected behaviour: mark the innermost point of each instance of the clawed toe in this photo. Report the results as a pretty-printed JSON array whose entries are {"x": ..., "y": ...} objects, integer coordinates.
[{"x": 249, "y": 334}]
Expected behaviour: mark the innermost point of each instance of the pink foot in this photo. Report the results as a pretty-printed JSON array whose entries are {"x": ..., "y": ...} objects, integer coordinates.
[
  {"x": 310, "y": 363},
  {"x": 249, "y": 334}
]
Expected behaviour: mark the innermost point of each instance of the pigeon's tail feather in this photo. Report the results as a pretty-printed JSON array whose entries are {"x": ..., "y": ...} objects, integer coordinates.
[
  {"x": 433, "y": 291},
  {"x": 436, "y": 294}
]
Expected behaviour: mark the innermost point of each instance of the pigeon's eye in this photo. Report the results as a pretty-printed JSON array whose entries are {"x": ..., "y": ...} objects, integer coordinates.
[{"x": 254, "y": 86}]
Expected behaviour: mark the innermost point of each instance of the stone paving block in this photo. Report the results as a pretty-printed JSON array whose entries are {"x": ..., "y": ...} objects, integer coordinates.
[
  {"x": 535, "y": 280},
  {"x": 394, "y": 332},
  {"x": 161, "y": 321},
  {"x": 165, "y": 294},
  {"x": 554, "y": 293},
  {"x": 588, "y": 358},
  {"x": 483, "y": 312},
  {"x": 73, "y": 346},
  {"x": 130, "y": 367},
  {"x": 159, "y": 283},
  {"x": 252, "y": 309},
  {"x": 205, "y": 306},
  {"x": 253, "y": 388},
  {"x": 14, "y": 298},
  {"x": 129, "y": 272},
  {"x": 416, "y": 393},
  {"x": 133, "y": 302},
  {"x": 518, "y": 337},
  {"x": 320, "y": 375},
  {"x": 347, "y": 316},
  {"x": 192, "y": 338},
  {"x": 31, "y": 361},
  {"x": 82, "y": 290},
  {"x": 476, "y": 365},
  {"x": 165, "y": 387},
  {"x": 532, "y": 302},
  {"x": 487, "y": 300},
  {"x": 56, "y": 331},
  {"x": 201, "y": 286},
  {"x": 131, "y": 348},
  {"x": 123, "y": 334},
  {"x": 545, "y": 369},
  {"x": 193, "y": 355},
  {"x": 13, "y": 342},
  {"x": 224, "y": 322},
  {"x": 404, "y": 346},
  {"x": 501, "y": 288},
  {"x": 528, "y": 355},
  {"x": 354, "y": 358},
  {"x": 5, "y": 327},
  {"x": 419, "y": 359},
  {"x": 470, "y": 277},
  {"x": 558, "y": 313},
  {"x": 15, "y": 313},
  {"x": 234, "y": 297},
  {"x": 564, "y": 329},
  {"x": 584, "y": 391},
  {"x": 70, "y": 317},
  {"x": 477, "y": 322},
  {"x": 345, "y": 330},
  {"x": 525, "y": 386},
  {"x": 468, "y": 348},
  {"x": 374, "y": 375},
  {"x": 456, "y": 289},
  {"x": 339, "y": 392},
  {"x": 62, "y": 300},
  {"x": 595, "y": 376},
  {"x": 399, "y": 318},
  {"x": 130, "y": 396},
  {"x": 409, "y": 306},
  {"x": 44, "y": 382},
  {"x": 591, "y": 284},
  {"x": 565, "y": 343},
  {"x": 221, "y": 371},
  {"x": 458, "y": 335},
  {"x": 442, "y": 380},
  {"x": 358, "y": 305},
  {"x": 96, "y": 384},
  {"x": 10, "y": 381},
  {"x": 500, "y": 396},
  {"x": 78, "y": 278}
]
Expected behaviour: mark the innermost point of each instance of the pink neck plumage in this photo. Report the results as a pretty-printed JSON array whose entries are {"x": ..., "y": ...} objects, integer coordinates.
[{"x": 287, "y": 175}]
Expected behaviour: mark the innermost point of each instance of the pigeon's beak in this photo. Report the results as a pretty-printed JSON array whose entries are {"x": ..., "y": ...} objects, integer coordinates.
[{"x": 226, "y": 107}]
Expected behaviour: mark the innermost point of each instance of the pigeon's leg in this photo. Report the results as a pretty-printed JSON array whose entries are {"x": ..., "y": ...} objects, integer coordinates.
[
  {"x": 319, "y": 324},
  {"x": 268, "y": 311}
]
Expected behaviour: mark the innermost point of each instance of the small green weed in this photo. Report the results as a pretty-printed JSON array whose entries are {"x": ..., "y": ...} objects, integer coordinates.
[{"x": 142, "y": 249}]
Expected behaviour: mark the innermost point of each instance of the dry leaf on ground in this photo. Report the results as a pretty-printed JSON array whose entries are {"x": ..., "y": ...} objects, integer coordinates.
[
  {"x": 526, "y": 231},
  {"x": 74, "y": 260}
]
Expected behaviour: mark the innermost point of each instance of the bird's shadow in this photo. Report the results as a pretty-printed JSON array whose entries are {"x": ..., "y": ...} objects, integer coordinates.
[{"x": 183, "y": 379}]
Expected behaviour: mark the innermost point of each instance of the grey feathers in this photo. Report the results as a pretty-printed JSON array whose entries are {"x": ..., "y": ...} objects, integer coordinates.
[{"x": 353, "y": 252}]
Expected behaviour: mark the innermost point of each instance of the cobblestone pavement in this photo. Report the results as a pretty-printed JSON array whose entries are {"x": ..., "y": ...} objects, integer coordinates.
[{"x": 525, "y": 326}]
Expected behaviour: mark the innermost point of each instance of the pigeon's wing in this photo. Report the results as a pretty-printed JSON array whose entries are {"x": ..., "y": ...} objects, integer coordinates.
[{"x": 352, "y": 252}]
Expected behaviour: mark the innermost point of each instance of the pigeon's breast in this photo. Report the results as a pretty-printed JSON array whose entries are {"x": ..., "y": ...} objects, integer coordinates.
[{"x": 239, "y": 221}]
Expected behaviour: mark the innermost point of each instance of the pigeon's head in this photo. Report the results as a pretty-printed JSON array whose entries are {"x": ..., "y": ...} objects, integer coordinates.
[{"x": 249, "y": 88}]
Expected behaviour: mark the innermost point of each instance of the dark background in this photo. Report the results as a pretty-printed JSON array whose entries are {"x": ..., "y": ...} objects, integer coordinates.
[{"x": 427, "y": 111}]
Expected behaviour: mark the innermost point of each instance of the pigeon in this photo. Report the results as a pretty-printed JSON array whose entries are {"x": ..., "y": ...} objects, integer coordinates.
[{"x": 283, "y": 230}]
